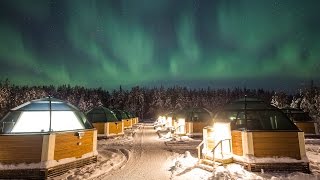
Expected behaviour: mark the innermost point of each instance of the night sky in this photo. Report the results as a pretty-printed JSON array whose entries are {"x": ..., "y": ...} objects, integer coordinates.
[{"x": 197, "y": 43}]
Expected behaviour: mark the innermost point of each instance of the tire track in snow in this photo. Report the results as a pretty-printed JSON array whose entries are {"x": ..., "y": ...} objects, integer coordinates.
[{"x": 146, "y": 160}]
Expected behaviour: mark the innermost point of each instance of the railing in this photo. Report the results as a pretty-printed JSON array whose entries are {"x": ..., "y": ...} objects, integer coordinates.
[
  {"x": 215, "y": 147},
  {"x": 200, "y": 147}
]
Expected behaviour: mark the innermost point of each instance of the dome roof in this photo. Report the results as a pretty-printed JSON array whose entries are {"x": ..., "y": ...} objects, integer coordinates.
[
  {"x": 44, "y": 115},
  {"x": 101, "y": 114},
  {"x": 120, "y": 114},
  {"x": 194, "y": 114},
  {"x": 297, "y": 115},
  {"x": 46, "y": 104},
  {"x": 254, "y": 114},
  {"x": 249, "y": 104},
  {"x": 130, "y": 115}
]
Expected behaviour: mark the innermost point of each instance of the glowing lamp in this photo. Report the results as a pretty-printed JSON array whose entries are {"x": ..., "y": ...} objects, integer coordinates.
[
  {"x": 222, "y": 134},
  {"x": 169, "y": 121},
  {"x": 181, "y": 125}
]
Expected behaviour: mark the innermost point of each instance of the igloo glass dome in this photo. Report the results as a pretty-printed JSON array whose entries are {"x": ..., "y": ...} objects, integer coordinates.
[
  {"x": 44, "y": 115},
  {"x": 254, "y": 114}
]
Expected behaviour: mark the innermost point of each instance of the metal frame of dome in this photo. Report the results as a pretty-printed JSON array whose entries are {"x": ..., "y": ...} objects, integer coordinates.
[
  {"x": 199, "y": 110},
  {"x": 254, "y": 107},
  {"x": 302, "y": 120},
  {"x": 292, "y": 111},
  {"x": 224, "y": 144},
  {"x": 52, "y": 152},
  {"x": 109, "y": 115},
  {"x": 122, "y": 116},
  {"x": 105, "y": 121},
  {"x": 48, "y": 104}
]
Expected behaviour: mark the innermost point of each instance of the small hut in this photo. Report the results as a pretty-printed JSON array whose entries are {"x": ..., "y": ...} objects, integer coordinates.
[
  {"x": 105, "y": 121},
  {"x": 122, "y": 116},
  {"x": 131, "y": 117},
  {"x": 179, "y": 122},
  {"x": 164, "y": 121},
  {"x": 197, "y": 119},
  {"x": 45, "y": 138},
  {"x": 302, "y": 120},
  {"x": 255, "y": 134},
  {"x": 135, "y": 117},
  {"x": 169, "y": 121}
]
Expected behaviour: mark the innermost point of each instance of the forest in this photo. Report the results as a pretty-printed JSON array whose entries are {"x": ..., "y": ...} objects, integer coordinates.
[{"x": 150, "y": 102}]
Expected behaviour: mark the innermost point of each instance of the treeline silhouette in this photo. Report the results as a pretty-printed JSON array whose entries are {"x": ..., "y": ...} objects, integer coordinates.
[{"x": 149, "y": 102}]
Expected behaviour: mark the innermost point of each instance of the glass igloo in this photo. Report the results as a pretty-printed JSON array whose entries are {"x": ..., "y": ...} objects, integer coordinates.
[
  {"x": 254, "y": 114},
  {"x": 44, "y": 115},
  {"x": 101, "y": 114}
]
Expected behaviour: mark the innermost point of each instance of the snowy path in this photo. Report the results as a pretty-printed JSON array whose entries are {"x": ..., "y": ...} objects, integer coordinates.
[
  {"x": 142, "y": 154},
  {"x": 147, "y": 159}
]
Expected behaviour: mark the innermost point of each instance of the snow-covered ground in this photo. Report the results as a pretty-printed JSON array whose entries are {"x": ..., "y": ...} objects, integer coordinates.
[{"x": 143, "y": 153}]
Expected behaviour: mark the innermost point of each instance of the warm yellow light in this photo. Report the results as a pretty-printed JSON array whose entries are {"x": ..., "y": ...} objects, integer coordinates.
[
  {"x": 181, "y": 125},
  {"x": 169, "y": 121},
  {"x": 222, "y": 131},
  {"x": 39, "y": 121}
]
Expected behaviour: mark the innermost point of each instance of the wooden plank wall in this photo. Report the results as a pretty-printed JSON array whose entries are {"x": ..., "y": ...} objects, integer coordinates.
[
  {"x": 115, "y": 127},
  {"x": 237, "y": 143},
  {"x": 198, "y": 126},
  {"x": 306, "y": 127},
  {"x": 68, "y": 145},
  {"x": 20, "y": 149},
  {"x": 127, "y": 123},
  {"x": 100, "y": 127},
  {"x": 279, "y": 144}
]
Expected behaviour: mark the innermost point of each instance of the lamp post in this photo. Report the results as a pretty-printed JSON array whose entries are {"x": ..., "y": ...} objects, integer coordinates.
[{"x": 50, "y": 113}]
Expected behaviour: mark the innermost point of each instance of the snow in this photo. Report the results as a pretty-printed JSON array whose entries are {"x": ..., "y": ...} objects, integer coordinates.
[
  {"x": 46, "y": 164},
  {"x": 144, "y": 154}
]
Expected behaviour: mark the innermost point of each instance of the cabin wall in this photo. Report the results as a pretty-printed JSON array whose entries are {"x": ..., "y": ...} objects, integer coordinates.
[
  {"x": 189, "y": 127},
  {"x": 115, "y": 127},
  {"x": 208, "y": 135},
  {"x": 137, "y": 120},
  {"x": 127, "y": 123},
  {"x": 279, "y": 144},
  {"x": 198, "y": 126},
  {"x": 69, "y": 144},
  {"x": 306, "y": 127},
  {"x": 237, "y": 143},
  {"x": 20, "y": 148},
  {"x": 101, "y": 127}
]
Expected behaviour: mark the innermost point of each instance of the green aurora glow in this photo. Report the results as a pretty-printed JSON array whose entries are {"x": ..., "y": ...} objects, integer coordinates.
[{"x": 145, "y": 42}]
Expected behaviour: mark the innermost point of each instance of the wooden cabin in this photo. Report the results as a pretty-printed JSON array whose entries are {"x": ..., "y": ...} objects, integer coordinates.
[
  {"x": 131, "y": 117},
  {"x": 45, "y": 138},
  {"x": 164, "y": 121},
  {"x": 105, "y": 121},
  {"x": 169, "y": 121},
  {"x": 197, "y": 119},
  {"x": 135, "y": 117},
  {"x": 302, "y": 120},
  {"x": 255, "y": 134},
  {"x": 179, "y": 122},
  {"x": 191, "y": 121},
  {"x": 121, "y": 115}
]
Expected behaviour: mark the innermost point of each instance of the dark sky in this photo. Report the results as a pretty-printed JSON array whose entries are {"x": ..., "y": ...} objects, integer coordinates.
[{"x": 108, "y": 43}]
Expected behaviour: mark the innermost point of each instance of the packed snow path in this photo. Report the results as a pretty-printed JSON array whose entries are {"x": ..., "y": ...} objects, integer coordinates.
[
  {"x": 144, "y": 154},
  {"x": 147, "y": 158}
]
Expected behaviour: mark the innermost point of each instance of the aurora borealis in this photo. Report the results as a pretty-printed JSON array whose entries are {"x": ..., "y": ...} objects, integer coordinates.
[{"x": 109, "y": 43}]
